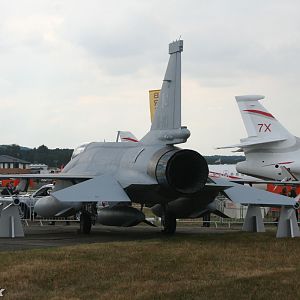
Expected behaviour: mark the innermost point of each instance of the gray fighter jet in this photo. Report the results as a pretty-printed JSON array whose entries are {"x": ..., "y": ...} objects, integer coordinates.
[{"x": 152, "y": 172}]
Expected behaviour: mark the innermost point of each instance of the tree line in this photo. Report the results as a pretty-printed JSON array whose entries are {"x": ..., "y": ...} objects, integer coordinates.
[
  {"x": 60, "y": 157},
  {"x": 40, "y": 155},
  {"x": 224, "y": 159}
]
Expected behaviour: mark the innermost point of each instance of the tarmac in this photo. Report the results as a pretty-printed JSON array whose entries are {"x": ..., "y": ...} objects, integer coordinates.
[{"x": 60, "y": 235}]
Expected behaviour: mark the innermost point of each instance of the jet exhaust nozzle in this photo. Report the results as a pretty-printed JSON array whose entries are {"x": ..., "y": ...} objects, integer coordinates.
[{"x": 182, "y": 171}]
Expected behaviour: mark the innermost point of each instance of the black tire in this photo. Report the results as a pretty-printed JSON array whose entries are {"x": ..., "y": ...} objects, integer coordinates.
[
  {"x": 206, "y": 220},
  {"x": 85, "y": 223},
  {"x": 169, "y": 224}
]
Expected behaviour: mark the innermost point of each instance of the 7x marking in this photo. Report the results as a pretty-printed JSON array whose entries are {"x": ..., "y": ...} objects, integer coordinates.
[{"x": 264, "y": 127}]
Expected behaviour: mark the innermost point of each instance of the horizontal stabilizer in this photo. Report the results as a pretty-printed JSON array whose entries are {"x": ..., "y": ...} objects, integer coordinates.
[
  {"x": 100, "y": 188},
  {"x": 248, "y": 195},
  {"x": 253, "y": 142}
]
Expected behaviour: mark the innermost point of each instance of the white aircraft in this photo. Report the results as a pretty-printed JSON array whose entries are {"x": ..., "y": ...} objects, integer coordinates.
[
  {"x": 152, "y": 172},
  {"x": 227, "y": 171},
  {"x": 271, "y": 151}
]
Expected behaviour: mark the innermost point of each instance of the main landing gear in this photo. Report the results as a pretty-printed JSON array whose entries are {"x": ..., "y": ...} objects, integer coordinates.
[
  {"x": 168, "y": 222},
  {"x": 85, "y": 222},
  {"x": 87, "y": 218}
]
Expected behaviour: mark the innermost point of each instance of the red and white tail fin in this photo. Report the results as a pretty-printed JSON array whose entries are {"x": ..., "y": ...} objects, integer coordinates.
[
  {"x": 126, "y": 136},
  {"x": 259, "y": 123},
  {"x": 261, "y": 126}
]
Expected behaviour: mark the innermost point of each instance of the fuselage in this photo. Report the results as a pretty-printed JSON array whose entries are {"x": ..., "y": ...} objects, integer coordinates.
[
  {"x": 150, "y": 174},
  {"x": 268, "y": 145},
  {"x": 265, "y": 162}
]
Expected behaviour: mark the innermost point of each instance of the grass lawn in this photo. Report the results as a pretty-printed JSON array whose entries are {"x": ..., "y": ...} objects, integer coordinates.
[{"x": 210, "y": 266}]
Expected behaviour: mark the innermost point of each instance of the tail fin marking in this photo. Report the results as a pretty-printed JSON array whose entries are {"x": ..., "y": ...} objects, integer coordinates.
[{"x": 259, "y": 123}]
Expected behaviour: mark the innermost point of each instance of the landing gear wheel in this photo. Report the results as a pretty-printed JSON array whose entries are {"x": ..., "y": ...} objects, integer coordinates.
[
  {"x": 206, "y": 220},
  {"x": 85, "y": 223},
  {"x": 169, "y": 223}
]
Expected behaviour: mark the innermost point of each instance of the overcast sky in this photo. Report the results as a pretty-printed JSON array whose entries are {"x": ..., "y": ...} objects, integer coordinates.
[{"x": 77, "y": 71}]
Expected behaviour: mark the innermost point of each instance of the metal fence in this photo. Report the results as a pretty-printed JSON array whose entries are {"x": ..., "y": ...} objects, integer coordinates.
[
  {"x": 238, "y": 213},
  {"x": 31, "y": 217},
  {"x": 235, "y": 212}
]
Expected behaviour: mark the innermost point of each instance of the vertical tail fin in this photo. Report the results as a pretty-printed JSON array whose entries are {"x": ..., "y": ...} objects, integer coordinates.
[
  {"x": 166, "y": 126},
  {"x": 259, "y": 123},
  {"x": 168, "y": 112}
]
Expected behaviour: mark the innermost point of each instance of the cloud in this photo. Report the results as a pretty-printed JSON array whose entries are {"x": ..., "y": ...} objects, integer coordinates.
[{"x": 73, "y": 71}]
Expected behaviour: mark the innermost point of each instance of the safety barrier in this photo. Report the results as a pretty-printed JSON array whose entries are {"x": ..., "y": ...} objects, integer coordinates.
[
  {"x": 31, "y": 217},
  {"x": 235, "y": 212}
]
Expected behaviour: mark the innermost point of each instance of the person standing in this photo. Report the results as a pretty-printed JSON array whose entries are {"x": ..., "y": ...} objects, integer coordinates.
[
  {"x": 293, "y": 194},
  {"x": 284, "y": 191}
]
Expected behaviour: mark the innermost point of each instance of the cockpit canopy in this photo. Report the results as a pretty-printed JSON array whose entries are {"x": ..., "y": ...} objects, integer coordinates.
[{"x": 79, "y": 150}]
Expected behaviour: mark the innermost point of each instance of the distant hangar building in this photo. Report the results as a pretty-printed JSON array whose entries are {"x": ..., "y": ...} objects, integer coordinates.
[{"x": 13, "y": 165}]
